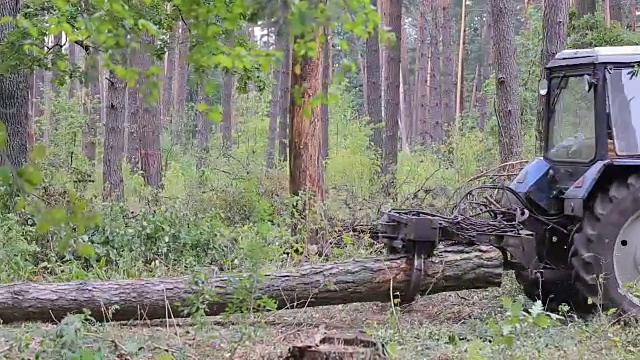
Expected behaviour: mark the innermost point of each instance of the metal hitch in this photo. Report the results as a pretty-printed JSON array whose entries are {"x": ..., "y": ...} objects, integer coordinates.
[{"x": 417, "y": 233}]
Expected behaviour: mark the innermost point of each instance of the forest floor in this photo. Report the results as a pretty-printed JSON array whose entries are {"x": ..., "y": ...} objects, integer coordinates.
[{"x": 442, "y": 326}]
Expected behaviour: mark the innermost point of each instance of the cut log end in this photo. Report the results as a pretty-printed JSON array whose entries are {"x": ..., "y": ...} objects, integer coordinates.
[{"x": 338, "y": 347}]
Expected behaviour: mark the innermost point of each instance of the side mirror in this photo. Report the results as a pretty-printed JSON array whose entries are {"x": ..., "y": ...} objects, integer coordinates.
[
  {"x": 588, "y": 83},
  {"x": 543, "y": 87}
]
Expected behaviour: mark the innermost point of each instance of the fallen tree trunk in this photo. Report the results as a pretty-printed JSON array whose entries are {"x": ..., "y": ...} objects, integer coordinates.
[{"x": 452, "y": 268}]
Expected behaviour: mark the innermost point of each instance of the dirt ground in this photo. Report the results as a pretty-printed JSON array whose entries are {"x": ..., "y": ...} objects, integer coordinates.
[{"x": 443, "y": 326}]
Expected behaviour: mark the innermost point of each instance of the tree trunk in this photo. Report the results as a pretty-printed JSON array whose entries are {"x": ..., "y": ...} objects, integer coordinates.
[
  {"x": 180, "y": 85},
  {"x": 134, "y": 113},
  {"x": 14, "y": 99},
  {"x": 421, "y": 102},
  {"x": 324, "y": 107},
  {"x": 74, "y": 59},
  {"x": 586, "y": 7},
  {"x": 634, "y": 17},
  {"x": 149, "y": 122},
  {"x": 436, "y": 129},
  {"x": 94, "y": 102},
  {"x": 452, "y": 268},
  {"x": 407, "y": 100},
  {"x": 285, "y": 90},
  {"x": 485, "y": 71},
  {"x": 448, "y": 68},
  {"x": 204, "y": 127},
  {"x": 274, "y": 111},
  {"x": 555, "y": 19},
  {"x": 392, "y": 112},
  {"x": 503, "y": 17},
  {"x": 167, "y": 82},
  {"x": 113, "y": 188},
  {"x": 227, "y": 112},
  {"x": 460, "y": 82},
  {"x": 617, "y": 11},
  {"x": 374, "y": 87},
  {"x": 306, "y": 177}
]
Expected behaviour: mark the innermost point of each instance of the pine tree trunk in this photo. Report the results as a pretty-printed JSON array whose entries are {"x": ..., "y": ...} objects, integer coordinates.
[
  {"x": 407, "y": 99},
  {"x": 204, "y": 128},
  {"x": 285, "y": 89},
  {"x": 460, "y": 81},
  {"x": 227, "y": 111},
  {"x": 421, "y": 102},
  {"x": 274, "y": 111},
  {"x": 324, "y": 107},
  {"x": 374, "y": 279},
  {"x": 74, "y": 59},
  {"x": 586, "y": 7},
  {"x": 555, "y": 21},
  {"x": 436, "y": 129},
  {"x": 306, "y": 177},
  {"x": 485, "y": 71},
  {"x": 133, "y": 112},
  {"x": 374, "y": 88},
  {"x": 448, "y": 68},
  {"x": 113, "y": 189},
  {"x": 149, "y": 122},
  {"x": 503, "y": 17},
  {"x": 167, "y": 81},
  {"x": 392, "y": 108},
  {"x": 14, "y": 98},
  {"x": 180, "y": 85},
  {"x": 94, "y": 102}
]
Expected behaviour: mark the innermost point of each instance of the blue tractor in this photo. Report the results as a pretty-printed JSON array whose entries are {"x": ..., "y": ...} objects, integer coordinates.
[{"x": 573, "y": 235}]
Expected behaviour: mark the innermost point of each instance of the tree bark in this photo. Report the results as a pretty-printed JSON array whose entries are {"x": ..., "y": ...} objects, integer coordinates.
[
  {"x": 485, "y": 71},
  {"x": 406, "y": 115},
  {"x": 74, "y": 59},
  {"x": 617, "y": 11},
  {"x": 306, "y": 177},
  {"x": 14, "y": 99},
  {"x": 586, "y": 7},
  {"x": 204, "y": 127},
  {"x": 133, "y": 112},
  {"x": 392, "y": 108},
  {"x": 555, "y": 20},
  {"x": 227, "y": 112},
  {"x": 167, "y": 81},
  {"x": 503, "y": 17},
  {"x": 448, "y": 68},
  {"x": 274, "y": 111},
  {"x": 452, "y": 268},
  {"x": 149, "y": 123},
  {"x": 180, "y": 85},
  {"x": 421, "y": 102},
  {"x": 113, "y": 188},
  {"x": 460, "y": 81},
  {"x": 94, "y": 102},
  {"x": 324, "y": 107},
  {"x": 374, "y": 87},
  {"x": 435, "y": 129},
  {"x": 285, "y": 89}
]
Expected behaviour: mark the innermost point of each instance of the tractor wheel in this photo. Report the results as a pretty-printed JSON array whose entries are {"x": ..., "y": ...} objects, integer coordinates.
[
  {"x": 606, "y": 252},
  {"x": 552, "y": 294}
]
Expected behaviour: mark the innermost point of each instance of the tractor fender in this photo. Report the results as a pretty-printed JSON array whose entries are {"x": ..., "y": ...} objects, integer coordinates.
[
  {"x": 532, "y": 183},
  {"x": 579, "y": 192}
]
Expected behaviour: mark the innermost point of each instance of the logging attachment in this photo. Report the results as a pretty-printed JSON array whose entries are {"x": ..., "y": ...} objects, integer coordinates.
[{"x": 417, "y": 233}]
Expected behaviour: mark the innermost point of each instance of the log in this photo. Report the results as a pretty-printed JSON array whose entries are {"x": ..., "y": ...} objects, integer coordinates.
[{"x": 452, "y": 268}]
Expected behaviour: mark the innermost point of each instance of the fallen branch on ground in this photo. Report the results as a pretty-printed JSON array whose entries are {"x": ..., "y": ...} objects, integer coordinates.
[{"x": 452, "y": 268}]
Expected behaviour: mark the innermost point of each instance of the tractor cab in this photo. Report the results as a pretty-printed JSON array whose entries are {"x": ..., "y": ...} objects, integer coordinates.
[{"x": 592, "y": 110}]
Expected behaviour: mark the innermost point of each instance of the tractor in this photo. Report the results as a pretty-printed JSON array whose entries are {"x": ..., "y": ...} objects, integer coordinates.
[{"x": 572, "y": 232}]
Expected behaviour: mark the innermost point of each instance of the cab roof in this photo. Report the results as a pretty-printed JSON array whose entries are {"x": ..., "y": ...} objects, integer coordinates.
[{"x": 609, "y": 54}]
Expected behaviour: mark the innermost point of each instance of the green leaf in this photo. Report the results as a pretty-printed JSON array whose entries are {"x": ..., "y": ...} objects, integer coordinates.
[
  {"x": 85, "y": 250},
  {"x": 38, "y": 153}
]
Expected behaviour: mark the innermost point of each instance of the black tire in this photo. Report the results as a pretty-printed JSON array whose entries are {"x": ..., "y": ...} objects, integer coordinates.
[
  {"x": 592, "y": 250},
  {"x": 552, "y": 294}
]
